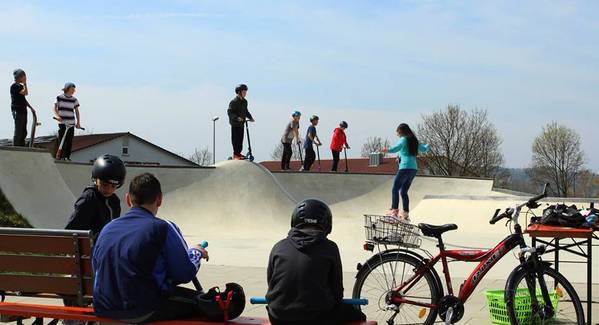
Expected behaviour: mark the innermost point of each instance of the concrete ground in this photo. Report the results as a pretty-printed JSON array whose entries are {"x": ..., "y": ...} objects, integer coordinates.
[{"x": 253, "y": 279}]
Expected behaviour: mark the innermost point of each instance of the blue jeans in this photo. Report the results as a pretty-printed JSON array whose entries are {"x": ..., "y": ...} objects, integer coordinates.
[{"x": 403, "y": 181}]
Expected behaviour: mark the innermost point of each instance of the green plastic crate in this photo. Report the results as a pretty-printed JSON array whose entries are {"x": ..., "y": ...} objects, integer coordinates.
[{"x": 498, "y": 311}]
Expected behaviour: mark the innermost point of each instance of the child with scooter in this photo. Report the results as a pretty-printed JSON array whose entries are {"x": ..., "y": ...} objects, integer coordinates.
[
  {"x": 305, "y": 276},
  {"x": 311, "y": 138},
  {"x": 407, "y": 149},
  {"x": 339, "y": 143},
  {"x": 18, "y": 107},
  {"x": 66, "y": 112},
  {"x": 238, "y": 117},
  {"x": 291, "y": 132}
]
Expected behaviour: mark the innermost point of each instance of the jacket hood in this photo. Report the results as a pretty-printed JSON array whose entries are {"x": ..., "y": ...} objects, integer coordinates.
[{"x": 303, "y": 239}]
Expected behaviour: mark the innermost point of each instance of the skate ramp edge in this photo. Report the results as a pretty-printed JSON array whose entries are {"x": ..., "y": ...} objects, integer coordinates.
[{"x": 34, "y": 187}]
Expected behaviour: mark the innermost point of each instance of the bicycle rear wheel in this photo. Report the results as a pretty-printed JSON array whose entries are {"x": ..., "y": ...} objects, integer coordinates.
[
  {"x": 565, "y": 303},
  {"x": 378, "y": 277}
]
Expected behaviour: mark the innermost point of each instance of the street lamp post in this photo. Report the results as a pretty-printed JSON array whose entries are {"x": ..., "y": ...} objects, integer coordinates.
[{"x": 214, "y": 119}]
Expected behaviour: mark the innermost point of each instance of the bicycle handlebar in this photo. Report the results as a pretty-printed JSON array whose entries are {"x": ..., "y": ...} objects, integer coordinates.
[
  {"x": 531, "y": 203},
  {"x": 496, "y": 217}
]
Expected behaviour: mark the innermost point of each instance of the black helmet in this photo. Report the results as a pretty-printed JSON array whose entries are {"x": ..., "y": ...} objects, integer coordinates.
[
  {"x": 343, "y": 124},
  {"x": 312, "y": 212},
  {"x": 110, "y": 169},
  {"x": 240, "y": 87},
  {"x": 214, "y": 302}
]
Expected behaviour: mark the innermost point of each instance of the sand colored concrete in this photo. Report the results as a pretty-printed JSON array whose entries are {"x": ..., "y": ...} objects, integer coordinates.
[{"x": 33, "y": 185}]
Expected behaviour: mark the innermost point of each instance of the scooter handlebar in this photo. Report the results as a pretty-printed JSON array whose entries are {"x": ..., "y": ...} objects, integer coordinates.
[{"x": 347, "y": 301}]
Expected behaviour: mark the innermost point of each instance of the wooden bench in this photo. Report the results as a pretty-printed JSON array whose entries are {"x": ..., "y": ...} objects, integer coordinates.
[{"x": 56, "y": 264}]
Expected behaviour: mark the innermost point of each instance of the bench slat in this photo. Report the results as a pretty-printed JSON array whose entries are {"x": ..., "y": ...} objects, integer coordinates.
[
  {"x": 86, "y": 314},
  {"x": 44, "y": 264},
  {"x": 44, "y": 284},
  {"x": 15, "y": 243}
]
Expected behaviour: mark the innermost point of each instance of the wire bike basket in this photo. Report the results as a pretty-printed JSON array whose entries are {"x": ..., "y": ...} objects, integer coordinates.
[{"x": 380, "y": 230}]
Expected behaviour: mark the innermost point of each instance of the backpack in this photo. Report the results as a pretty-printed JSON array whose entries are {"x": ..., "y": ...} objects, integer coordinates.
[{"x": 563, "y": 216}]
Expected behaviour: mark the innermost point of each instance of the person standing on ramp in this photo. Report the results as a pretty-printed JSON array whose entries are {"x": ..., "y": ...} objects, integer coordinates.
[
  {"x": 291, "y": 132},
  {"x": 238, "y": 114},
  {"x": 66, "y": 112},
  {"x": 338, "y": 142},
  {"x": 18, "y": 107},
  {"x": 407, "y": 149},
  {"x": 311, "y": 138}
]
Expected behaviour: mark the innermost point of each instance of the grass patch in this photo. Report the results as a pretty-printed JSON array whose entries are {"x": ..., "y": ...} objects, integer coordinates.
[{"x": 9, "y": 217}]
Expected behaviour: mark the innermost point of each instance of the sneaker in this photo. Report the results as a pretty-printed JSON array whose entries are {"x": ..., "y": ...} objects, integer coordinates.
[
  {"x": 238, "y": 157},
  {"x": 404, "y": 216},
  {"x": 392, "y": 213}
]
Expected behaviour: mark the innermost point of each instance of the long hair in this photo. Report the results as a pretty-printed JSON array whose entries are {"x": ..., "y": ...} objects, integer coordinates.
[{"x": 405, "y": 130}]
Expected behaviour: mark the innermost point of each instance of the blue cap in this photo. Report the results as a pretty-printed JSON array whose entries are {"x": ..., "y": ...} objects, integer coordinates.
[
  {"x": 68, "y": 85},
  {"x": 296, "y": 113}
]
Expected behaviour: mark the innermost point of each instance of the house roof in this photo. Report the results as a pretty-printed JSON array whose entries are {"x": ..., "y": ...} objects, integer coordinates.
[
  {"x": 355, "y": 165},
  {"x": 81, "y": 142}
]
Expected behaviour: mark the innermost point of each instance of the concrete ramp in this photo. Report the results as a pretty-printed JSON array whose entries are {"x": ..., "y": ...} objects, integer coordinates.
[
  {"x": 239, "y": 208},
  {"x": 77, "y": 176},
  {"x": 34, "y": 187}
]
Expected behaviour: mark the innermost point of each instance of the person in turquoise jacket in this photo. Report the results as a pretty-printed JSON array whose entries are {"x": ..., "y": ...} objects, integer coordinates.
[{"x": 407, "y": 149}]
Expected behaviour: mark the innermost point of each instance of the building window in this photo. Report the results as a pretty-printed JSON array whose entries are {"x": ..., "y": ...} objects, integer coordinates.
[{"x": 125, "y": 151}]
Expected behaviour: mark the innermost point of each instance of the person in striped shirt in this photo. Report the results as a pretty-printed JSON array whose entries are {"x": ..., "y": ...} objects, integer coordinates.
[{"x": 66, "y": 111}]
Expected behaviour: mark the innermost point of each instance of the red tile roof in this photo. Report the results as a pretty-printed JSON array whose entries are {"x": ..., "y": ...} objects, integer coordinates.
[{"x": 355, "y": 165}]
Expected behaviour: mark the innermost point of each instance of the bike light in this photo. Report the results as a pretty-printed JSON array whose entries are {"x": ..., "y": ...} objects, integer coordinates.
[
  {"x": 559, "y": 292},
  {"x": 422, "y": 313},
  {"x": 368, "y": 247}
]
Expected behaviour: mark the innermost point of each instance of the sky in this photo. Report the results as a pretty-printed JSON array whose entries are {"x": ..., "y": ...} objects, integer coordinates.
[{"x": 163, "y": 69}]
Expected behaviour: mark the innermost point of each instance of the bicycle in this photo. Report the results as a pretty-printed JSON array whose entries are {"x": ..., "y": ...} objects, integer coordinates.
[{"x": 403, "y": 286}]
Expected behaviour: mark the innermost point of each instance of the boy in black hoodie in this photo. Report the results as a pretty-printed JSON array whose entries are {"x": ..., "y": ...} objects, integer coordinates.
[
  {"x": 98, "y": 204},
  {"x": 305, "y": 279}
]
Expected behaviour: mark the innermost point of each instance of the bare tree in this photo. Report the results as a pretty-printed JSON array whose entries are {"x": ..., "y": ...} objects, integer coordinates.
[
  {"x": 277, "y": 152},
  {"x": 202, "y": 156},
  {"x": 461, "y": 143},
  {"x": 374, "y": 144},
  {"x": 557, "y": 158}
]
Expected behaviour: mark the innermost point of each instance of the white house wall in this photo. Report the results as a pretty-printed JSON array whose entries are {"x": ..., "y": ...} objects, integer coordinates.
[{"x": 138, "y": 152}]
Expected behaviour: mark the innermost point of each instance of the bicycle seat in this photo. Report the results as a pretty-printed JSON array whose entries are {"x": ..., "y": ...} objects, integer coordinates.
[{"x": 436, "y": 231}]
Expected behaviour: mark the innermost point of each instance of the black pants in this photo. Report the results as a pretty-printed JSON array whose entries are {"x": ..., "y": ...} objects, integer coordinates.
[
  {"x": 340, "y": 315},
  {"x": 286, "y": 158},
  {"x": 310, "y": 157},
  {"x": 68, "y": 140},
  {"x": 237, "y": 139},
  {"x": 181, "y": 304},
  {"x": 335, "y": 160},
  {"x": 20, "y": 134}
]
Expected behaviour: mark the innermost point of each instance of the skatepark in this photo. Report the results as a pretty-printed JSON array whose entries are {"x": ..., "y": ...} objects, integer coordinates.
[{"x": 242, "y": 209}]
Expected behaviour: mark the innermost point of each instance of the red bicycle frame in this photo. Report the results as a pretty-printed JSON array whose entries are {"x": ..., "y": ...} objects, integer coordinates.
[{"x": 486, "y": 258}]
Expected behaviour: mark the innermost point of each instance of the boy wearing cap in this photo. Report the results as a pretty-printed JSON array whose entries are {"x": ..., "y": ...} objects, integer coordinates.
[
  {"x": 291, "y": 132},
  {"x": 66, "y": 112},
  {"x": 311, "y": 138},
  {"x": 18, "y": 106}
]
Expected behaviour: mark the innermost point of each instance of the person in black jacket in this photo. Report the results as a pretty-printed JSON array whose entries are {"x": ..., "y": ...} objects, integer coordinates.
[
  {"x": 18, "y": 107},
  {"x": 238, "y": 114},
  {"x": 98, "y": 204},
  {"x": 305, "y": 278}
]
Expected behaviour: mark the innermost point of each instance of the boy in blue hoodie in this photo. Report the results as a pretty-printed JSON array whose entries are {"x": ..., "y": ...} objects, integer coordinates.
[{"x": 139, "y": 260}]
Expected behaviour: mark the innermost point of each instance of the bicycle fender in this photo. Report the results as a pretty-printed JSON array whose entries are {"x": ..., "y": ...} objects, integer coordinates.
[
  {"x": 410, "y": 253},
  {"x": 528, "y": 265}
]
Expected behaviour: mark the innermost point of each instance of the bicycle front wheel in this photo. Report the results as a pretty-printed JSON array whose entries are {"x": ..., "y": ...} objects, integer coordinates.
[
  {"x": 560, "y": 306},
  {"x": 380, "y": 276}
]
